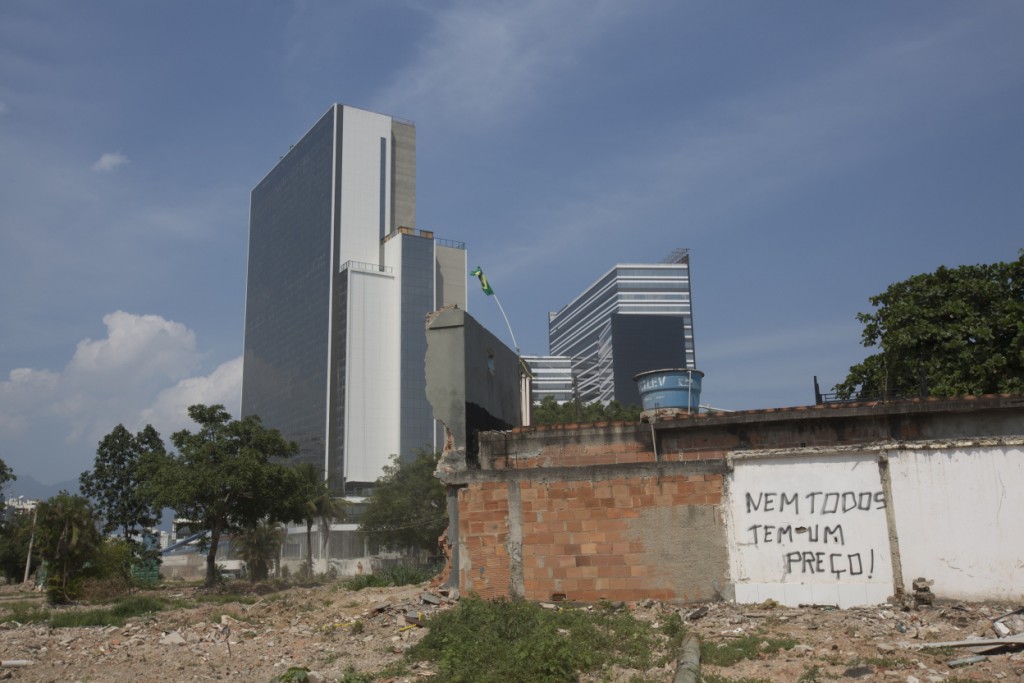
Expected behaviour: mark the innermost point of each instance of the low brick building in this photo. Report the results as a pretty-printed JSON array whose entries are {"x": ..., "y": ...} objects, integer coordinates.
[{"x": 836, "y": 504}]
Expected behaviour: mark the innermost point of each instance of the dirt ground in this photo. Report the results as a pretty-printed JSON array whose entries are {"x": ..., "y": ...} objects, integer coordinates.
[{"x": 314, "y": 627}]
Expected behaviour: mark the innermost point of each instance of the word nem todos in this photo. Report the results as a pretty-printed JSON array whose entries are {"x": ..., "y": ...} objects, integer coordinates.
[{"x": 816, "y": 502}]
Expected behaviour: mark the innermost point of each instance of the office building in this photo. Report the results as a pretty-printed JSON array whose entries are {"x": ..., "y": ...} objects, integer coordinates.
[
  {"x": 550, "y": 376},
  {"x": 339, "y": 284},
  {"x": 634, "y": 318}
]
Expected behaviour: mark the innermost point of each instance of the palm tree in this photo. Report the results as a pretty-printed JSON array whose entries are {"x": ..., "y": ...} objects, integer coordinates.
[
  {"x": 259, "y": 546},
  {"x": 318, "y": 506}
]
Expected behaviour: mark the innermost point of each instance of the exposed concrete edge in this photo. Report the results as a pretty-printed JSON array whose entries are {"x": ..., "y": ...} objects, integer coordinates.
[
  {"x": 587, "y": 473},
  {"x": 876, "y": 447},
  {"x": 688, "y": 664},
  {"x": 832, "y": 411}
]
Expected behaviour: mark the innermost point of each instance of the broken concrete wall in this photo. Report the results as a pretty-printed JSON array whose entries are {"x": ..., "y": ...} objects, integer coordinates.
[
  {"x": 473, "y": 386},
  {"x": 472, "y": 378},
  {"x": 838, "y": 505}
]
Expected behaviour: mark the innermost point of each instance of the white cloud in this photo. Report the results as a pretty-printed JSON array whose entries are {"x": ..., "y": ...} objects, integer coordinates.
[
  {"x": 170, "y": 409},
  {"x": 109, "y": 161},
  {"x": 136, "y": 346},
  {"x": 143, "y": 371}
]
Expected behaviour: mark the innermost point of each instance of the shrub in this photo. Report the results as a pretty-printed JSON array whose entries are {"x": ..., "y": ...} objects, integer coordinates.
[{"x": 513, "y": 640}]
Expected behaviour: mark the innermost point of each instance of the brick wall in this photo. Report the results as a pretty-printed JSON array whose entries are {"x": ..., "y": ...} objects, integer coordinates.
[
  {"x": 589, "y": 513},
  {"x": 627, "y": 511}
]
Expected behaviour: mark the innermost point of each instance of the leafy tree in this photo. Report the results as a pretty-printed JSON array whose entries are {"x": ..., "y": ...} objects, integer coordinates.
[
  {"x": 407, "y": 507},
  {"x": 15, "y": 532},
  {"x": 6, "y": 475},
  {"x": 114, "y": 484},
  {"x": 69, "y": 542},
  {"x": 225, "y": 476},
  {"x": 314, "y": 503},
  {"x": 549, "y": 411},
  {"x": 259, "y": 546},
  {"x": 960, "y": 330}
]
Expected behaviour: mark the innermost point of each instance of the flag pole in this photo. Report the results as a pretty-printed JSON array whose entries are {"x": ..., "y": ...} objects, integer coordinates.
[
  {"x": 510, "y": 332},
  {"x": 489, "y": 291}
]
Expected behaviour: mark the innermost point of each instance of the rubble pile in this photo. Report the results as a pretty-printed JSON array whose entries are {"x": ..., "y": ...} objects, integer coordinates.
[{"x": 331, "y": 631}]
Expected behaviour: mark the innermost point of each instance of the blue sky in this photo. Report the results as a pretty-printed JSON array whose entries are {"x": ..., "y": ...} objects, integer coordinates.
[{"x": 808, "y": 153}]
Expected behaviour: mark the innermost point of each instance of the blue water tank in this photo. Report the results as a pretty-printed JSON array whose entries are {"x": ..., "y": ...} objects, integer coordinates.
[{"x": 677, "y": 388}]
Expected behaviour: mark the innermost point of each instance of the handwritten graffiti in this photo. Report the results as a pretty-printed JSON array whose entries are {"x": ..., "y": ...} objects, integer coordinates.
[
  {"x": 831, "y": 534},
  {"x": 816, "y": 502},
  {"x": 770, "y": 533},
  {"x": 806, "y": 562}
]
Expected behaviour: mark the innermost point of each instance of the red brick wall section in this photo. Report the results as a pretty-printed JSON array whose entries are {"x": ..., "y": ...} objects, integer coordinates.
[
  {"x": 483, "y": 535},
  {"x": 618, "y": 539}
]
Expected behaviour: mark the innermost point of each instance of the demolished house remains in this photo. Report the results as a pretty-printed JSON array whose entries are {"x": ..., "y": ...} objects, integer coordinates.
[{"x": 839, "y": 504}]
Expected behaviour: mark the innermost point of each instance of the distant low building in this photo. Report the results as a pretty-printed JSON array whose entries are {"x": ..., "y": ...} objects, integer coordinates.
[{"x": 550, "y": 376}]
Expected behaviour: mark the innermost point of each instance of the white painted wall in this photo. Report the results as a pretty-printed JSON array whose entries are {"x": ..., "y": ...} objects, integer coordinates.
[
  {"x": 372, "y": 375},
  {"x": 960, "y": 519},
  {"x": 808, "y": 530},
  {"x": 360, "y": 184}
]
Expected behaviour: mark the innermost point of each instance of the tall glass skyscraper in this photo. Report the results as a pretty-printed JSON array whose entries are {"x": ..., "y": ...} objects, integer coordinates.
[
  {"x": 636, "y": 317},
  {"x": 339, "y": 284}
]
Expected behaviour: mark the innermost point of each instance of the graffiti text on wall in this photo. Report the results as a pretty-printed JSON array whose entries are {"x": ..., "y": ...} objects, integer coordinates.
[{"x": 838, "y": 507}]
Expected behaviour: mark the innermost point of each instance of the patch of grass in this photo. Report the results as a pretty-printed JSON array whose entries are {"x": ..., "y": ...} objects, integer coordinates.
[
  {"x": 880, "y": 662},
  {"x": 137, "y": 605},
  {"x": 227, "y": 598},
  {"x": 398, "y": 575},
  {"x": 295, "y": 674},
  {"x": 27, "y": 613},
  {"x": 811, "y": 674},
  {"x": 738, "y": 649},
  {"x": 115, "y": 614},
  {"x": 393, "y": 670},
  {"x": 87, "y": 617},
  {"x": 353, "y": 676},
  {"x": 512, "y": 640},
  {"x": 715, "y": 678}
]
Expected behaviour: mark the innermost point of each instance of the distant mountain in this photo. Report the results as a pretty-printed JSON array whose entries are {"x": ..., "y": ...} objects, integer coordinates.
[{"x": 29, "y": 487}]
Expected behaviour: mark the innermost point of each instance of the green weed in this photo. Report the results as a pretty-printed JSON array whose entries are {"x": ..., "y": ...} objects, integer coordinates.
[
  {"x": 747, "y": 647},
  {"x": 398, "y": 575},
  {"x": 353, "y": 676},
  {"x": 514, "y": 640}
]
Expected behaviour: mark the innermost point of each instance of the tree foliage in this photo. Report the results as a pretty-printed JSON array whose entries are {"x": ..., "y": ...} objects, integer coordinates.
[
  {"x": 6, "y": 476},
  {"x": 407, "y": 507},
  {"x": 114, "y": 484},
  {"x": 225, "y": 477},
  {"x": 313, "y": 502},
  {"x": 69, "y": 543},
  {"x": 960, "y": 330},
  {"x": 15, "y": 532},
  {"x": 549, "y": 411},
  {"x": 259, "y": 546}
]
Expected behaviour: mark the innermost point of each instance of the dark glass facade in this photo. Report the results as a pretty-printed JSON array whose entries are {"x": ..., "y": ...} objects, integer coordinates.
[
  {"x": 417, "y": 284},
  {"x": 642, "y": 343},
  {"x": 287, "y": 310}
]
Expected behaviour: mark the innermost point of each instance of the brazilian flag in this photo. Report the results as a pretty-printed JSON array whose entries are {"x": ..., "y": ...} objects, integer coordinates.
[{"x": 484, "y": 285}]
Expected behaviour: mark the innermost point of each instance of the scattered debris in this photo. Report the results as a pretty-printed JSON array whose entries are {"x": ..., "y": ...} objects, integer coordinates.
[
  {"x": 923, "y": 592},
  {"x": 967, "y": 660},
  {"x": 697, "y": 613}
]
